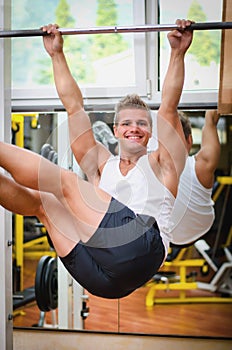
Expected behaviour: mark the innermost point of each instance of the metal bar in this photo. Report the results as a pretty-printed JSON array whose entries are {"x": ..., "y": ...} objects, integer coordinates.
[{"x": 121, "y": 29}]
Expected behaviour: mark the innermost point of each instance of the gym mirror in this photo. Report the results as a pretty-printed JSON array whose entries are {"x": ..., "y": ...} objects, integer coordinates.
[{"x": 161, "y": 306}]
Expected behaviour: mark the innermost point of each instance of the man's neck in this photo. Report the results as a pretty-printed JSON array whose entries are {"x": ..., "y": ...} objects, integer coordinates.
[{"x": 128, "y": 158}]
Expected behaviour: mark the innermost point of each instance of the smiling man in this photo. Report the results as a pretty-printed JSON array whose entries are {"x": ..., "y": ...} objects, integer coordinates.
[
  {"x": 112, "y": 240},
  {"x": 133, "y": 238},
  {"x": 133, "y": 122}
]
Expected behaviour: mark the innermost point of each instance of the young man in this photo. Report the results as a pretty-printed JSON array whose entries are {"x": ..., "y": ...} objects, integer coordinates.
[
  {"x": 193, "y": 213},
  {"x": 109, "y": 248}
]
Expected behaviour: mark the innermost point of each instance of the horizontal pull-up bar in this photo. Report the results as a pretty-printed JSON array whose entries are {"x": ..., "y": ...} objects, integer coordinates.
[{"x": 121, "y": 29}]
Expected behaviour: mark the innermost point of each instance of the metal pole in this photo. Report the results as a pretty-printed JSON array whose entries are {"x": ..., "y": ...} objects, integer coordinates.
[
  {"x": 121, "y": 29},
  {"x": 6, "y": 300}
]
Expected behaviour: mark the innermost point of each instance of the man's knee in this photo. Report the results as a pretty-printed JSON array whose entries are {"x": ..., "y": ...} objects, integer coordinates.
[{"x": 69, "y": 182}]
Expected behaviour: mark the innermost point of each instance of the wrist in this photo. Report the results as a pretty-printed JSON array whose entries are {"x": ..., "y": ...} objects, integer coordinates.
[
  {"x": 57, "y": 55},
  {"x": 177, "y": 53}
]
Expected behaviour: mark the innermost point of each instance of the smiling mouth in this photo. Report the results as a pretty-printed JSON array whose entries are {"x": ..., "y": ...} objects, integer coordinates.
[{"x": 133, "y": 138}]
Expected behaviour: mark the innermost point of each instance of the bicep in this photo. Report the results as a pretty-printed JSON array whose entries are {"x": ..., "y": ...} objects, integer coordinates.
[
  {"x": 172, "y": 150},
  {"x": 89, "y": 154},
  {"x": 206, "y": 164},
  {"x": 172, "y": 146}
]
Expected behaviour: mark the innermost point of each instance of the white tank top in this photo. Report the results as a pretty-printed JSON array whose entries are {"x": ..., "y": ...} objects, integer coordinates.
[
  {"x": 141, "y": 191},
  {"x": 193, "y": 212}
]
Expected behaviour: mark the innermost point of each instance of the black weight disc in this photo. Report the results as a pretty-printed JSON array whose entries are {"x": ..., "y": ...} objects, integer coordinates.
[
  {"x": 40, "y": 291},
  {"x": 54, "y": 287},
  {"x": 51, "y": 284}
]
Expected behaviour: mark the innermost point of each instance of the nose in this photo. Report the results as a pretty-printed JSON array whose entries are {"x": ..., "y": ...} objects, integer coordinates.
[{"x": 134, "y": 126}]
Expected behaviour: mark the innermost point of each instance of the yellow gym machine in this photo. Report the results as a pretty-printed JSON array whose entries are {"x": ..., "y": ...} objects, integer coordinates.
[
  {"x": 181, "y": 282},
  {"x": 36, "y": 247}
]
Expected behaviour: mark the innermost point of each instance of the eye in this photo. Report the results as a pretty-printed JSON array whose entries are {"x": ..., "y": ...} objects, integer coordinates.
[
  {"x": 142, "y": 123},
  {"x": 125, "y": 123}
]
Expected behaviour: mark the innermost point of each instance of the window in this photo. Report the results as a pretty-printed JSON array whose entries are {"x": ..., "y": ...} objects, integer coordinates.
[
  {"x": 203, "y": 57},
  {"x": 109, "y": 66},
  {"x": 105, "y": 65}
]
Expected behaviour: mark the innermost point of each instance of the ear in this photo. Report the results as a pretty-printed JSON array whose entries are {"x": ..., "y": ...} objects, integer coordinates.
[
  {"x": 115, "y": 130},
  {"x": 189, "y": 142},
  {"x": 190, "y": 139}
]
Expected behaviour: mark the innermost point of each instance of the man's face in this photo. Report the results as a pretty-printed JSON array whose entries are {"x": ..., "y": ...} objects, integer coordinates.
[{"x": 133, "y": 128}]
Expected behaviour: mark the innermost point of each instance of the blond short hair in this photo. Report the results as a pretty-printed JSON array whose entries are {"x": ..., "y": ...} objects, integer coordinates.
[{"x": 132, "y": 101}]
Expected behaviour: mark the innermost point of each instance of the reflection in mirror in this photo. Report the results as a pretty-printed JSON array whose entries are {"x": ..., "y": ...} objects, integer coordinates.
[{"x": 189, "y": 294}]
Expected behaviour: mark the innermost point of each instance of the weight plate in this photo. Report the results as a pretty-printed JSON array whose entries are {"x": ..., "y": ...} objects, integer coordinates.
[
  {"x": 51, "y": 284},
  {"x": 40, "y": 292}
]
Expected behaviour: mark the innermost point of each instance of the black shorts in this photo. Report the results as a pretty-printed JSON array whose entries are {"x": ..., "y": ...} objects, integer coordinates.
[{"x": 123, "y": 254}]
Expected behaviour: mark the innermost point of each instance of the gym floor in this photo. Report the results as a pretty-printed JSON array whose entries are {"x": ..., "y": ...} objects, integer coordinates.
[{"x": 131, "y": 315}]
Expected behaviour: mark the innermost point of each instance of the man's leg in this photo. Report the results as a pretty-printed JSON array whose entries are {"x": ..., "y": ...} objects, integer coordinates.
[
  {"x": 208, "y": 157},
  {"x": 24, "y": 201},
  {"x": 18, "y": 199},
  {"x": 77, "y": 199}
]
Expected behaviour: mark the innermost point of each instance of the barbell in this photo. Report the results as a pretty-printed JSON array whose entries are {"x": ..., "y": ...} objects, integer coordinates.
[{"x": 116, "y": 29}]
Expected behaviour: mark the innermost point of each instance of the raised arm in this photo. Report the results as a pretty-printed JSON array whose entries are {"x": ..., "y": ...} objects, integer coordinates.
[
  {"x": 180, "y": 41},
  {"x": 88, "y": 153},
  {"x": 172, "y": 152},
  {"x": 208, "y": 156},
  {"x": 67, "y": 88}
]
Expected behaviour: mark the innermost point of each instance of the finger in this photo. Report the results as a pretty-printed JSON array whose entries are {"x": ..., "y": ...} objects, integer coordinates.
[
  {"x": 181, "y": 23},
  {"x": 189, "y": 22},
  {"x": 51, "y": 28}
]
